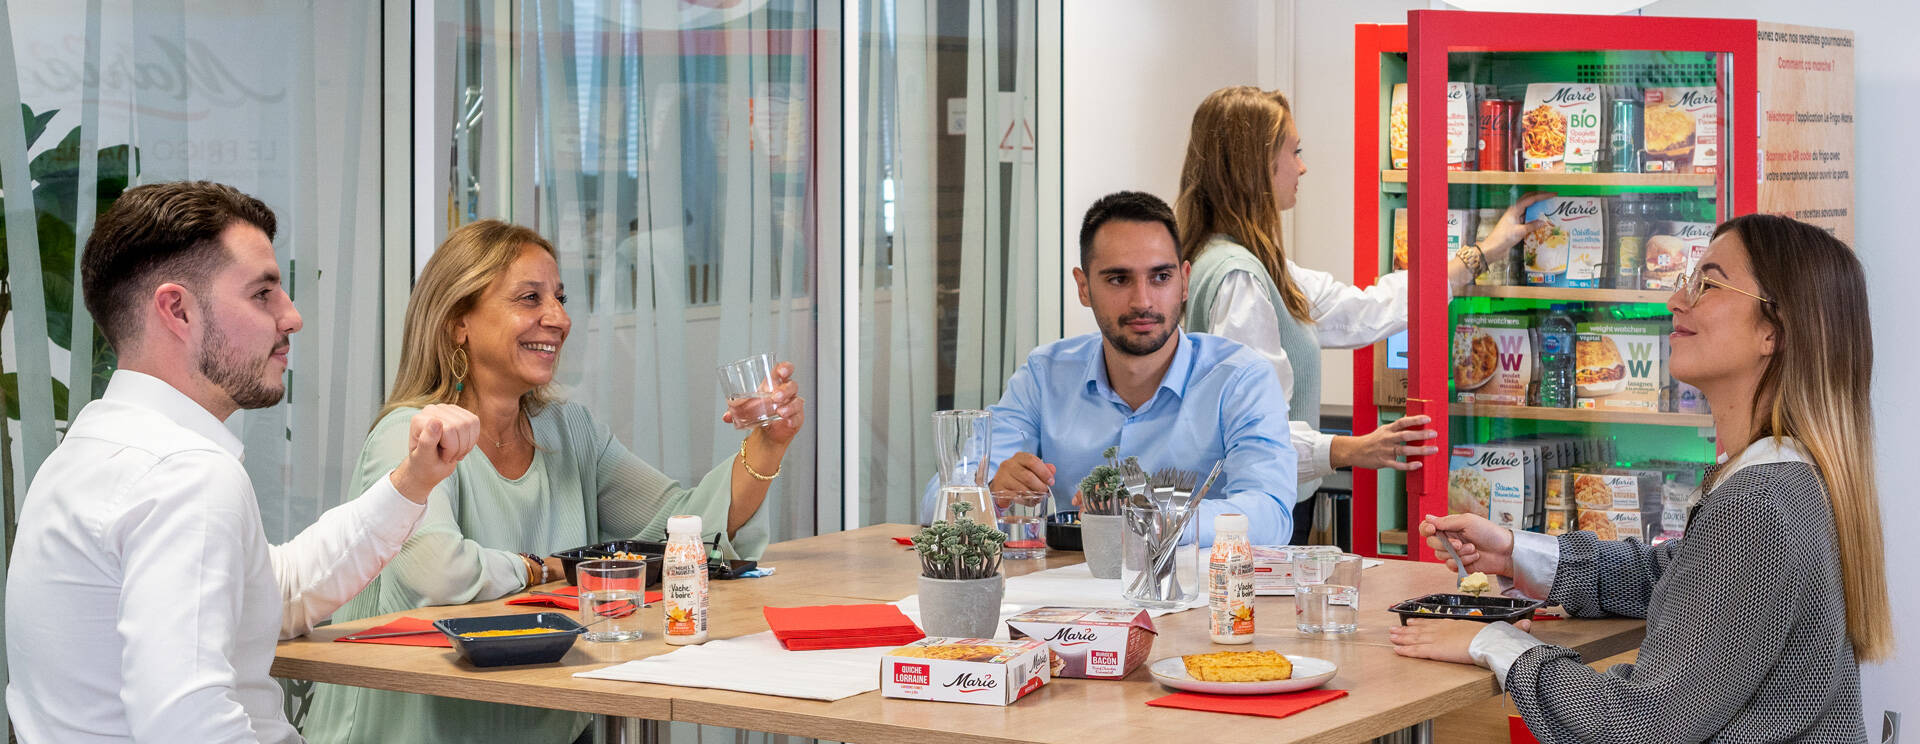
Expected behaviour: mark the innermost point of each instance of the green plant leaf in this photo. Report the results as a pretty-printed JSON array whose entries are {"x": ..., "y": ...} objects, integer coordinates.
[
  {"x": 10, "y": 382},
  {"x": 36, "y": 123}
]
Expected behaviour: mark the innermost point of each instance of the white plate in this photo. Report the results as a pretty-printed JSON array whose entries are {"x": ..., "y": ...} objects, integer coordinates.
[{"x": 1308, "y": 673}]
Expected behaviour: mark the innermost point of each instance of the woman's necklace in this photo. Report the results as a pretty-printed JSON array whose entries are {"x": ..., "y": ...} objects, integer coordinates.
[{"x": 513, "y": 437}]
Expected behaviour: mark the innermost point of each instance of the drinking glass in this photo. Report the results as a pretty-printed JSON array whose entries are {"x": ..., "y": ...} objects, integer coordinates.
[
  {"x": 1023, "y": 518},
  {"x": 964, "y": 440},
  {"x": 1157, "y": 571},
  {"x": 611, "y": 595},
  {"x": 749, "y": 387},
  {"x": 1327, "y": 598}
]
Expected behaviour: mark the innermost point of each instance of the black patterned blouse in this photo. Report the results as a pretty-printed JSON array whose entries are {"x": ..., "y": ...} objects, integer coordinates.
[{"x": 1746, "y": 627}]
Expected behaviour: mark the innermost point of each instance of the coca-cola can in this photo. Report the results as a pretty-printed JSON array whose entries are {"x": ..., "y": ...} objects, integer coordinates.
[{"x": 1496, "y": 134}]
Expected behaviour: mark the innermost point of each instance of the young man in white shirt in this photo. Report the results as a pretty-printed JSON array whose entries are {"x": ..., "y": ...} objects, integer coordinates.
[{"x": 143, "y": 599}]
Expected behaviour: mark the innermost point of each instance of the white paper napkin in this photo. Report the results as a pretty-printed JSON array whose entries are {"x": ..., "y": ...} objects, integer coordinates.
[{"x": 817, "y": 675}]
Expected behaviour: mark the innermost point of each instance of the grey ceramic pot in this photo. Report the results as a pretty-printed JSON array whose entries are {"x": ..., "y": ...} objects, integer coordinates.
[
  {"x": 1100, "y": 541},
  {"x": 961, "y": 608}
]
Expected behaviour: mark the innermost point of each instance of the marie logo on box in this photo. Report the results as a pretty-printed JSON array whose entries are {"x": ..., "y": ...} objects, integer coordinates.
[{"x": 912, "y": 674}]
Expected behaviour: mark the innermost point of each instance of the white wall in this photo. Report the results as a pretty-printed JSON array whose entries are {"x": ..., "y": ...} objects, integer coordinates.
[{"x": 1135, "y": 69}]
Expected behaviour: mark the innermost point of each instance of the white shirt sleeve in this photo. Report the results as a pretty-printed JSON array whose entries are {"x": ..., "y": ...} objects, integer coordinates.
[
  {"x": 1497, "y": 646},
  {"x": 1349, "y": 317},
  {"x": 1242, "y": 312},
  {"x": 339, "y": 554},
  {"x": 183, "y": 593},
  {"x": 1536, "y": 557}
]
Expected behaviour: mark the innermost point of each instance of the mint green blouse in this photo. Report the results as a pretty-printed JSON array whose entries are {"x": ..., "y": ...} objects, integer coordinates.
[{"x": 583, "y": 487}]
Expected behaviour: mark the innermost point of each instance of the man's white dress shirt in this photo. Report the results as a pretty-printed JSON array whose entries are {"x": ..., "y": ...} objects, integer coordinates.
[{"x": 143, "y": 601}]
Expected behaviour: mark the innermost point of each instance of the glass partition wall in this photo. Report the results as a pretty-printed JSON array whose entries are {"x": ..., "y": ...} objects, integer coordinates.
[{"x": 960, "y": 179}]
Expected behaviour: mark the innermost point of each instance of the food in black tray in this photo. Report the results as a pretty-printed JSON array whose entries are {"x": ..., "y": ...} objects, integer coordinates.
[
  {"x": 641, "y": 550},
  {"x": 505, "y": 640},
  {"x": 1484, "y": 609},
  {"x": 1063, "y": 530}
]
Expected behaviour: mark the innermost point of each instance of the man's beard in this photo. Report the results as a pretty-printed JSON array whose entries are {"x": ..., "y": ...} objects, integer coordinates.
[
  {"x": 244, "y": 380},
  {"x": 1131, "y": 344}
]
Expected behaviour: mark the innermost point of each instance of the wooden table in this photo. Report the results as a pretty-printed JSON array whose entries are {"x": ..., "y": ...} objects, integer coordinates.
[{"x": 1389, "y": 693}]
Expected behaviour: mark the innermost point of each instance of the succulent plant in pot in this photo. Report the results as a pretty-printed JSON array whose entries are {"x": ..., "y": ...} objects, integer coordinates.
[
  {"x": 1101, "y": 494},
  {"x": 960, "y": 580}
]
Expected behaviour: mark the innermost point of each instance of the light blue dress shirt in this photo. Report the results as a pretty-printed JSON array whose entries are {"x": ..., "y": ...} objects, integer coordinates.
[{"x": 1219, "y": 400}]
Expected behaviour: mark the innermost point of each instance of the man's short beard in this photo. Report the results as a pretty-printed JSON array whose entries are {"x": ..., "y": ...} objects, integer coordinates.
[
  {"x": 1131, "y": 345},
  {"x": 243, "y": 380}
]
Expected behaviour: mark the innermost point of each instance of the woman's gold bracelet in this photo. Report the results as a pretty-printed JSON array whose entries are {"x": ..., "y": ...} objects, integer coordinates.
[{"x": 748, "y": 464}]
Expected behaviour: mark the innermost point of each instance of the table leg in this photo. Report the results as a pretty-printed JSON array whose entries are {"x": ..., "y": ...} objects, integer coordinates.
[
  {"x": 619, "y": 730},
  {"x": 1419, "y": 733}
]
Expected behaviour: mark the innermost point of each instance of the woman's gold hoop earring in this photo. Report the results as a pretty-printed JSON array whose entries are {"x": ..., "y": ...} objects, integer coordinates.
[{"x": 459, "y": 365}]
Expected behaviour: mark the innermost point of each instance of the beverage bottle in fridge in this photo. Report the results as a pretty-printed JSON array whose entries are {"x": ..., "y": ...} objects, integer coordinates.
[
  {"x": 1629, "y": 243},
  {"x": 683, "y": 576},
  {"x": 1230, "y": 582},
  {"x": 1556, "y": 359}
]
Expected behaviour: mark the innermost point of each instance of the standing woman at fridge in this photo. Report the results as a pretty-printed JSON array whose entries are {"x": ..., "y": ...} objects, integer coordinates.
[{"x": 1243, "y": 169}]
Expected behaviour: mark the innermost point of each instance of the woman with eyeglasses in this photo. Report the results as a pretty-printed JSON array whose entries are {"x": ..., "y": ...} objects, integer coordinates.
[{"x": 1758, "y": 618}]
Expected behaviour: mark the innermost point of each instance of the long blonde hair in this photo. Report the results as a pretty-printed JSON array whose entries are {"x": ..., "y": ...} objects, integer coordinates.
[
  {"x": 464, "y": 265},
  {"x": 1817, "y": 389},
  {"x": 1226, "y": 184}
]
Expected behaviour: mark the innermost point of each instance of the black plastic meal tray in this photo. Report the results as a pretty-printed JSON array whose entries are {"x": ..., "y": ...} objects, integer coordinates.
[
  {"x": 1461, "y": 607},
  {"x": 1063, "y": 531},
  {"x": 652, "y": 551}
]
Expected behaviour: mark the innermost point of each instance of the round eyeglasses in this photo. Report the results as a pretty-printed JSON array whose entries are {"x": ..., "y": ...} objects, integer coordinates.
[{"x": 1695, "y": 283}]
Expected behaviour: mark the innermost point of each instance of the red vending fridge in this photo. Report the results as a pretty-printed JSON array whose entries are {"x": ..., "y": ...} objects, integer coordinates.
[{"x": 1546, "y": 376}]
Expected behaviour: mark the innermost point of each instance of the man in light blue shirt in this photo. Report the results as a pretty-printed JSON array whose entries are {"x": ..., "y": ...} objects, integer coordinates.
[{"x": 1171, "y": 399}]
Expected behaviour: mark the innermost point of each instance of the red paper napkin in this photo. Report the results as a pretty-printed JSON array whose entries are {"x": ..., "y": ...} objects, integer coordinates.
[
  {"x": 564, "y": 603},
  {"x": 840, "y": 626},
  {"x": 1271, "y": 706},
  {"x": 904, "y": 540},
  {"x": 435, "y": 639}
]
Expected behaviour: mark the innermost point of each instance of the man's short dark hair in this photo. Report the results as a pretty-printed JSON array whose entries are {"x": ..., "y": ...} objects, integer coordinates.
[
  {"x": 157, "y": 233},
  {"x": 1131, "y": 206}
]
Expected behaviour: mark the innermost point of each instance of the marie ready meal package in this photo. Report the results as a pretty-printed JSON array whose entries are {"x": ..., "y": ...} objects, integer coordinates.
[
  {"x": 1463, "y": 116},
  {"x": 1681, "y": 130},
  {"x": 1570, "y": 249},
  {"x": 1671, "y": 249},
  {"x": 1489, "y": 480},
  {"x": 1620, "y": 364},
  {"x": 1493, "y": 359},
  {"x": 1397, "y": 125},
  {"x": 1088, "y": 642},
  {"x": 1560, "y": 127},
  {"x": 966, "y": 670},
  {"x": 1459, "y": 230}
]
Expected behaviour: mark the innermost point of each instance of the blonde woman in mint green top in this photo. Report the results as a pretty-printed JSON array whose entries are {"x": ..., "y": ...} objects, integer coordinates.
[{"x": 483, "y": 328}]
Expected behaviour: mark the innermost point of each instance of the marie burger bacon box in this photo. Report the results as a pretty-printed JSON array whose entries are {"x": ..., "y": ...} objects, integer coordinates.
[
  {"x": 965, "y": 670},
  {"x": 1088, "y": 642}
]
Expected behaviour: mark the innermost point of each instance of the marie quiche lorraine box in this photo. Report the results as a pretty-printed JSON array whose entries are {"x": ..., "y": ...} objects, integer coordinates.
[
  {"x": 1620, "y": 364},
  {"x": 1088, "y": 642},
  {"x": 1493, "y": 359},
  {"x": 1681, "y": 130},
  {"x": 966, "y": 670}
]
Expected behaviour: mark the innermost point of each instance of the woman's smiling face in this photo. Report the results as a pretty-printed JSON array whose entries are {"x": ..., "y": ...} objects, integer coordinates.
[{"x": 517, "y": 326}]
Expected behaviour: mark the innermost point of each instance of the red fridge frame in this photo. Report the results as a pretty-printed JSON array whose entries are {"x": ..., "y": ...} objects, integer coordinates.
[{"x": 1427, "y": 39}]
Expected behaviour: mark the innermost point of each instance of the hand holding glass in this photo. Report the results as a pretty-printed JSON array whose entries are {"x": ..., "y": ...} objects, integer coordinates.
[{"x": 750, "y": 386}]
